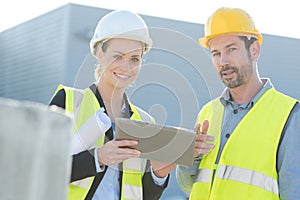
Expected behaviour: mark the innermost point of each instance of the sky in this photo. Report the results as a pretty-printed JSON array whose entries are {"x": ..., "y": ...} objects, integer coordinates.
[{"x": 271, "y": 17}]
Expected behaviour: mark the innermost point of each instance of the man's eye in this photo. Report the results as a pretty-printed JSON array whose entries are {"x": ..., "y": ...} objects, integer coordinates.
[
  {"x": 117, "y": 57},
  {"x": 135, "y": 59},
  {"x": 215, "y": 54}
]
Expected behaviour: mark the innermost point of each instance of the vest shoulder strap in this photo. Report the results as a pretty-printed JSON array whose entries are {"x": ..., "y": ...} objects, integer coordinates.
[
  {"x": 138, "y": 113},
  {"x": 73, "y": 97}
]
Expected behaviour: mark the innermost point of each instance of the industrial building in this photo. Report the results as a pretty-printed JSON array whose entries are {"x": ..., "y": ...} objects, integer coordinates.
[{"x": 177, "y": 76}]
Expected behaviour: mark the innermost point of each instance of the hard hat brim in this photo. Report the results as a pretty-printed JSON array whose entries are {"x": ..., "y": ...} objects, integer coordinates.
[
  {"x": 204, "y": 41},
  {"x": 147, "y": 41}
]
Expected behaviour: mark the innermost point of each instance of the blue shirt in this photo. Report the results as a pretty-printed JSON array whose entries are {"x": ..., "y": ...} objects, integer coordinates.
[{"x": 288, "y": 160}]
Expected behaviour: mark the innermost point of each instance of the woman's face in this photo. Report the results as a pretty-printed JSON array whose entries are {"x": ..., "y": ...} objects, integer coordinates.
[{"x": 120, "y": 62}]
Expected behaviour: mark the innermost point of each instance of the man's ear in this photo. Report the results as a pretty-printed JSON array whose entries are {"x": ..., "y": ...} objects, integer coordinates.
[{"x": 255, "y": 50}]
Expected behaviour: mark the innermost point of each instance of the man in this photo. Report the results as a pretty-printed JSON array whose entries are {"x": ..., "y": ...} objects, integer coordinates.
[{"x": 247, "y": 143}]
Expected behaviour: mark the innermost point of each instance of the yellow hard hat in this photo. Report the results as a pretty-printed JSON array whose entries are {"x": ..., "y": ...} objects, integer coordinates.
[{"x": 229, "y": 21}]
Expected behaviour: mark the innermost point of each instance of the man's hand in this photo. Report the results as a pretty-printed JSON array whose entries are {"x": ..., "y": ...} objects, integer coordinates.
[{"x": 203, "y": 141}]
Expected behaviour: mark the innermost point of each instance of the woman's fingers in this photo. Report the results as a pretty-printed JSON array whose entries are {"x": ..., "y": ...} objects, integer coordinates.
[{"x": 114, "y": 152}]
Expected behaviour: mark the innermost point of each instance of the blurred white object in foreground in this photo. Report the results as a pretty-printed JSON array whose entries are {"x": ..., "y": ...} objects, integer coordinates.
[{"x": 35, "y": 156}]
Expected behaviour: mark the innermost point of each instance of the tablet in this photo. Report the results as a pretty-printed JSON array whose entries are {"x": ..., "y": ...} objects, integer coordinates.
[{"x": 163, "y": 143}]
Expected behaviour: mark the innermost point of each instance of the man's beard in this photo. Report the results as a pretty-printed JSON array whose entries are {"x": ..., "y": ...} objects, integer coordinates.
[{"x": 230, "y": 82}]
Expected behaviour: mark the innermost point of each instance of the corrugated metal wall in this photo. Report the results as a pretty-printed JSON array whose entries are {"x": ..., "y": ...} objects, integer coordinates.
[{"x": 32, "y": 57}]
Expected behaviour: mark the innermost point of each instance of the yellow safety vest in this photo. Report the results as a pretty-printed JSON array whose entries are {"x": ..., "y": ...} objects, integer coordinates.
[
  {"x": 247, "y": 166},
  {"x": 83, "y": 104}
]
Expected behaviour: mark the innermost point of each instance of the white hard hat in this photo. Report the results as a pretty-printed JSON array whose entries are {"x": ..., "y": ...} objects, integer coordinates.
[{"x": 121, "y": 24}]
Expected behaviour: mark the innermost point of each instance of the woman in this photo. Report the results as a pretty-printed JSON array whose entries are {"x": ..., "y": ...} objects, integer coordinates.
[{"x": 112, "y": 170}]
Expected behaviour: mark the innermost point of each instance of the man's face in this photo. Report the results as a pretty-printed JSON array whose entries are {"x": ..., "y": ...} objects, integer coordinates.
[{"x": 232, "y": 60}]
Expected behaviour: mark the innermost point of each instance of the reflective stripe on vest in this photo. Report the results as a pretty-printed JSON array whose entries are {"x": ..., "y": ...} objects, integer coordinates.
[
  {"x": 203, "y": 175},
  {"x": 132, "y": 192},
  {"x": 249, "y": 177},
  {"x": 83, "y": 183},
  {"x": 83, "y": 104},
  {"x": 241, "y": 175},
  {"x": 247, "y": 166}
]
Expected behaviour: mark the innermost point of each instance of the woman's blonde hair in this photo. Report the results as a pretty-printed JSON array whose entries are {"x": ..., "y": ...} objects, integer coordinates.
[{"x": 103, "y": 45}]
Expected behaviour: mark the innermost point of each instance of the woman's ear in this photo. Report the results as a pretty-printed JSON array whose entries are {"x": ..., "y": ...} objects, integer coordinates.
[{"x": 99, "y": 54}]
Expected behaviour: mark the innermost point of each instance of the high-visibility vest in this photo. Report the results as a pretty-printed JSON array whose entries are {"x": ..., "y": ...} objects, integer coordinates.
[
  {"x": 247, "y": 166},
  {"x": 83, "y": 104}
]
